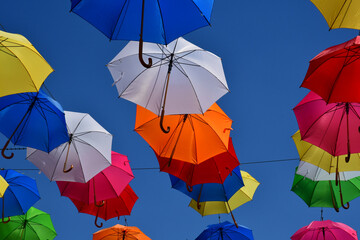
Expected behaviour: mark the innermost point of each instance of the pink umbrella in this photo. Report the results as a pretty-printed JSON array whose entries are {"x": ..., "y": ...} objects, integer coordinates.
[
  {"x": 333, "y": 127},
  {"x": 107, "y": 184},
  {"x": 325, "y": 230}
]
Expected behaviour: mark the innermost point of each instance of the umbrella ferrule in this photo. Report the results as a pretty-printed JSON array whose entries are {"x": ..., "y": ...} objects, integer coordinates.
[
  {"x": 171, "y": 62},
  {"x": 347, "y": 108}
]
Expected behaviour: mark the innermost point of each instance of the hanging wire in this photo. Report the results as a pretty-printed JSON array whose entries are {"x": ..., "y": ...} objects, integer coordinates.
[{"x": 322, "y": 211}]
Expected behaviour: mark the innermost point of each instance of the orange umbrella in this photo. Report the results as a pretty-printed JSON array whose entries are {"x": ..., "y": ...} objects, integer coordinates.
[
  {"x": 120, "y": 232},
  {"x": 192, "y": 138}
]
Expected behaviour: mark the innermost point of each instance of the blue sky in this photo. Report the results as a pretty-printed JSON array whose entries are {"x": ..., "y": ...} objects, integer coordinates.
[{"x": 265, "y": 47}]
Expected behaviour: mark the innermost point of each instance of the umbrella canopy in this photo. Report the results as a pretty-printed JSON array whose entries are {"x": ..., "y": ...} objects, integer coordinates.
[
  {"x": 332, "y": 127},
  {"x": 111, "y": 208},
  {"x": 184, "y": 79},
  {"x": 33, "y": 120},
  {"x": 3, "y": 186},
  {"x": 211, "y": 191},
  {"x": 213, "y": 170},
  {"x": 107, "y": 184},
  {"x": 193, "y": 138},
  {"x": 226, "y": 231},
  {"x": 321, "y": 230},
  {"x": 120, "y": 232},
  {"x": 339, "y": 14},
  {"x": 162, "y": 21},
  {"x": 243, "y": 195},
  {"x": 87, "y": 153},
  {"x": 35, "y": 224},
  {"x": 314, "y": 155},
  {"x": 21, "y": 194},
  {"x": 332, "y": 74},
  {"x": 326, "y": 193},
  {"x": 22, "y": 68}
]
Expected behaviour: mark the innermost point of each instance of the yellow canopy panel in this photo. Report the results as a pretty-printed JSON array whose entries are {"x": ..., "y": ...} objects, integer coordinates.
[{"x": 3, "y": 186}]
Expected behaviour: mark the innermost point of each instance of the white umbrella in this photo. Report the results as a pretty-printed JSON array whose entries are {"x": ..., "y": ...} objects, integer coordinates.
[
  {"x": 197, "y": 77},
  {"x": 87, "y": 153}
]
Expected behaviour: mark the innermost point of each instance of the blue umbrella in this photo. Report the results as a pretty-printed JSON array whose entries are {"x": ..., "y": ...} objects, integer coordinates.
[
  {"x": 226, "y": 231},
  {"x": 33, "y": 120},
  {"x": 157, "y": 21},
  {"x": 211, "y": 191},
  {"x": 21, "y": 194}
]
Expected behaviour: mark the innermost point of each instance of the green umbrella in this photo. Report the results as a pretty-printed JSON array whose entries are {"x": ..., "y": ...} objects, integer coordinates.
[
  {"x": 326, "y": 193},
  {"x": 35, "y": 224}
]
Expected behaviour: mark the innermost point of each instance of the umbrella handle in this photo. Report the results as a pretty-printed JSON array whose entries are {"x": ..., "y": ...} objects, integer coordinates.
[
  {"x": 162, "y": 122},
  {"x": 4, "y": 148},
  {"x": 341, "y": 198},
  {"x": 3, "y": 210},
  {"x": 3, "y": 220},
  {"x": 67, "y": 155},
  {"x": 141, "y": 42},
  {"x": 96, "y": 218},
  {"x": 189, "y": 188},
  {"x": 332, "y": 197},
  {"x": 347, "y": 158},
  {"x": 233, "y": 218},
  {"x": 101, "y": 204}
]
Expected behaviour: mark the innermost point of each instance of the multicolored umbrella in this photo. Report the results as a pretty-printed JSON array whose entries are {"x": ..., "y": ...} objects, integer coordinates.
[
  {"x": 339, "y": 14},
  {"x": 193, "y": 138},
  {"x": 332, "y": 74},
  {"x": 213, "y": 170},
  {"x": 22, "y": 68},
  {"x": 88, "y": 151},
  {"x": 3, "y": 186},
  {"x": 107, "y": 184},
  {"x": 33, "y": 120},
  {"x": 243, "y": 195},
  {"x": 332, "y": 127},
  {"x": 155, "y": 21},
  {"x": 35, "y": 224},
  {"x": 326, "y": 193},
  {"x": 21, "y": 194},
  {"x": 321, "y": 230},
  {"x": 111, "y": 208},
  {"x": 120, "y": 232},
  {"x": 226, "y": 231},
  {"x": 184, "y": 79}
]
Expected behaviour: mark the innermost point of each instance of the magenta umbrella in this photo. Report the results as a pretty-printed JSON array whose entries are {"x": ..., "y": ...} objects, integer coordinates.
[
  {"x": 333, "y": 127},
  {"x": 325, "y": 230},
  {"x": 107, "y": 184}
]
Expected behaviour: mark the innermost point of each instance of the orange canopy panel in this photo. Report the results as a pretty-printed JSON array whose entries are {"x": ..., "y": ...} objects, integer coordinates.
[
  {"x": 120, "y": 232},
  {"x": 192, "y": 138}
]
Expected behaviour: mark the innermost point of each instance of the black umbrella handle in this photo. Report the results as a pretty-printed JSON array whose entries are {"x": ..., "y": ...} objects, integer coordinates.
[
  {"x": 96, "y": 218},
  {"x": 141, "y": 42}
]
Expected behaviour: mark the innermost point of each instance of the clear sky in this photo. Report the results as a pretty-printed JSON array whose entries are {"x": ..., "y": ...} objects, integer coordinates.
[{"x": 265, "y": 47}]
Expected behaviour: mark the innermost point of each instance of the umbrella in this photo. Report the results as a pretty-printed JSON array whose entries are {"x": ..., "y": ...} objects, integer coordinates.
[
  {"x": 326, "y": 193},
  {"x": 21, "y": 194},
  {"x": 314, "y": 155},
  {"x": 3, "y": 186},
  {"x": 243, "y": 195},
  {"x": 339, "y": 14},
  {"x": 226, "y": 231},
  {"x": 32, "y": 119},
  {"x": 107, "y": 184},
  {"x": 111, "y": 208},
  {"x": 120, "y": 232},
  {"x": 35, "y": 224},
  {"x": 184, "y": 78},
  {"x": 332, "y": 127},
  {"x": 88, "y": 151},
  {"x": 193, "y": 138},
  {"x": 213, "y": 170},
  {"x": 321, "y": 230},
  {"x": 22, "y": 68},
  {"x": 332, "y": 74},
  {"x": 156, "y": 21}
]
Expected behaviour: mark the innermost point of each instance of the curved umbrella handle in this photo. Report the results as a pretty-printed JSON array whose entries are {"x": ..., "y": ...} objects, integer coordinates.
[
  {"x": 341, "y": 199},
  {"x": 101, "y": 204},
  {"x": 189, "y": 188},
  {"x": 96, "y": 218},
  {"x": 4, "y": 148},
  {"x": 347, "y": 158},
  {"x": 332, "y": 197},
  {"x": 198, "y": 200},
  {"x": 141, "y": 42},
  {"x": 162, "y": 122},
  {"x": 3, "y": 220},
  {"x": 3, "y": 212}
]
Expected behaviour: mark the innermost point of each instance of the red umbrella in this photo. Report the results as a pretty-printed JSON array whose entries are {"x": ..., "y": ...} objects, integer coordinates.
[
  {"x": 332, "y": 127},
  {"x": 333, "y": 74},
  {"x": 107, "y": 184},
  {"x": 111, "y": 208},
  {"x": 212, "y": 170}
]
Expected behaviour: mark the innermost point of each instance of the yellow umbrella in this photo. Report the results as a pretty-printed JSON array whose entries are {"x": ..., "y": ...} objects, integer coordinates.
[
  {"x": 244, "y": 195},
  {"x": 340, "y": 13},
  {"x": 3, "y": 186},
  {"x": 318, "y": 157},
  {"x": 22, "y": 68}
]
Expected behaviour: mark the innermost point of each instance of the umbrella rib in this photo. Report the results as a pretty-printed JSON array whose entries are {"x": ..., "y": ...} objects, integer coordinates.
[
  {"x": 162, "y": 22},
  {"x": 338, "y": 132},
  {"x": 195, "y": 142},
  {"x": 8, "y": 53},
  {"x": 354, "y": 110},
  {"x": 42, "y": 113},
  {"x": 172, "y": 135},
  {"x": 86, "y": 143},
  {"x": 338, "y": 15},
  {"x": 346, "y": 11},
  {"x": 58, "y": 160},
  {"x": 201, "y": 12},
  {"x": 118, "y": 18},
  {"x": 77, "y": 152},
  {"x": 79, "y": 122}
]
